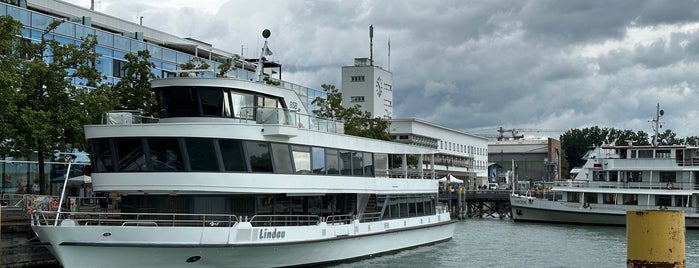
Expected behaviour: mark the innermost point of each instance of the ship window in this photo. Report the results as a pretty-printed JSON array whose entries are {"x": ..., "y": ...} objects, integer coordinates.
[
  {"x": 358, "y": 160},
  {"x": 211, "y": 101},
  {"x": 130, "y": 154},
  {"x": 243, "y": 105},
  {"x": 282, "y": 158},
  {"x": 346, "y": 163},
  {"x": 179, "y": 101},
  {"x": 227, "y": 104},
  {"x": 662, "y": 154},
  {"x": 663, "y": 200},
  {"x": 381, "y": 165},
  {"x": 668, "y": 177},
  {"x": 591, "y": 198},
  {"x": 599, "y": 176},
  {"x": 630, "y": 199},
  {"x": 634, "y": 176},
  {"x": 682, "y": 200},
  {"x": 202, "y": 156},
  {"x": 609, "y": 199},
  {"x": 613, "y": 176},
  {"x": 258, "y": 156},
  {"x": 264, "y": 204},
  {"x": 102, "y": 156},
  {"x": 573, "y": 197},
  {"x": 232, "y": 154},
  {"x": 302, "y": 159},
  {"x": 318, "y": 162},
  {"x": 368, "y": 165},
  {"x": 645, "y": 153},
  {"x": 164, "y": 154},
  {"x": 331, "y": 162}
]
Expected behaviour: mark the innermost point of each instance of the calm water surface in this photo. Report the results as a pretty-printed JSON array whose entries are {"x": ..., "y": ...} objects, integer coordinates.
[{"x": 503, "y": 243}]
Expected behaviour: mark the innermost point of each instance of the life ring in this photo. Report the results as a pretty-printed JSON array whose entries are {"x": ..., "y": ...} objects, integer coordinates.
[
  {"x": 670, "y": 185},
  {"x": 586, "y": 205},
  {"x": 531, "y": 200}
]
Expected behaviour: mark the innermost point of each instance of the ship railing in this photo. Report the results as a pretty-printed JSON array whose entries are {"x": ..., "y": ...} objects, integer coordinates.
[
  {"x": 134, "y": 219},
  {"x": 409, "y": 174},
  {"x": 339, "y": 219},
  {"x": 642, "y": 185},
  {"x": 370, "y": 217},
  {"x": 287, "y": 117},
  {"x": 14, "y": 200},
  {"x": 284, "y": 220},
  {"x": 127, "y": 117},
  {"x": 619, "y": 207}
]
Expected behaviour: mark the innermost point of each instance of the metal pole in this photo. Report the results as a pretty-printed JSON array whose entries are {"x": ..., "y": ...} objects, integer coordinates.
[{"x": 63, "y": 192}]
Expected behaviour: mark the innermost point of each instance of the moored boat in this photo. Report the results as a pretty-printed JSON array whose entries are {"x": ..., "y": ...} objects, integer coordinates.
[
  {"x": 616, "y": 179},
  {"x": 238, "y": 173}
]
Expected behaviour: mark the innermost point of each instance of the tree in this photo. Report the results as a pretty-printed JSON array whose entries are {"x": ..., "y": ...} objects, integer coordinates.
[
  {"x": 9, "y": 82},
  {"x": 133, "y": 90},
  {"x": 357, "y": 122},
  {"x": 576, "y": 142},
  {"x": 194, "y": 64},
  {"x": 48, "y": 115}
]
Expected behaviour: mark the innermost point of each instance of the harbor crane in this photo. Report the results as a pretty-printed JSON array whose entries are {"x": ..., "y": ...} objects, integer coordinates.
[{"x": 515, "y": 132}]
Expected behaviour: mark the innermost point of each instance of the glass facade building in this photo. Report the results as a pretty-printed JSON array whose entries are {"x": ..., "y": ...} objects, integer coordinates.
[{"x": 113, "y": 45}]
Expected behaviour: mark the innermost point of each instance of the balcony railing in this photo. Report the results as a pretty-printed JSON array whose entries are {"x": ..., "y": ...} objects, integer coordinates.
[{"x": 280, "y": 116}]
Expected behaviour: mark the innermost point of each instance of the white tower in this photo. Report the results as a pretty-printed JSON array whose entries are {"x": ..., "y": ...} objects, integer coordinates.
[{"x": 368, "y": 85}]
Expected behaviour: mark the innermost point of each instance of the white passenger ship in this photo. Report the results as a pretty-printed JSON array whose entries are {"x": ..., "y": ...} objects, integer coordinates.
[
  {"x": 616, "y": 179},
  {"x": 237, "y": 174}
]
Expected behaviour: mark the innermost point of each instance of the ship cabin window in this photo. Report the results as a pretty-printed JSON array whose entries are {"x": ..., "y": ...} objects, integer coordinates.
[
  {"x": 226, "y": 155},
  {"x": 318, "y": 160},
  {"x": 663, "y": 200},
  {"x": 613, "y": 176},
  {"x": 682, "y": 200},
  {"x": 573, "y": 197},
  {"x": 259, "y": 156},
  {"x": 282, "y": 158},
  {"x": 302, "y": 159},
  {"x": 630, "y": 199},
  {"x": 599, "y": 176},
  {"x": 634, "y": 176},
  {"x": 232, "y": 155},
  {"x": 591, "y": 198},
  {"x": 180, "y": 101},
  {"x": 662, "y": 154},
  {"x": 609, "y": 198},
  {"x": 668, "y": 177},
  {"x": 645, "y": 153}
]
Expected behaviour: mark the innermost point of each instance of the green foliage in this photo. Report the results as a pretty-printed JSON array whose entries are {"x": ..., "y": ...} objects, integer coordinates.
[
  {"x": 357, "y": 122},
  {"x": 194, "y": 64},
  {"x": 224, "y": 68},
  {"x": 133, "y": 90},
  {"x": 42, "y": 113}
]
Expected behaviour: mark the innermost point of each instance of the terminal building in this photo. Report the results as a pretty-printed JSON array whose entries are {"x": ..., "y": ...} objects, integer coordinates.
[{"x": 535, "y": 160}]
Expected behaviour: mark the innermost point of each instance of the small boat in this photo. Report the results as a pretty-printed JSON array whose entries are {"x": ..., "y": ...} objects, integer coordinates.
[
  {"x": 237, "y": 173},
  {"x": 616, "y": 179}
]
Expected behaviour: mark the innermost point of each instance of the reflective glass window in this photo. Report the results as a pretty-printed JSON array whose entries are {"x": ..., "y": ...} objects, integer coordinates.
[
  {"x": 83, "y": 31},
  {"x": 183, "y": 58},
  {"x": 40, "y": 21},
  {"x": 130, "y": 154},
  {"x": 358, "y": 163},
  {"x": 211, "y": 101},
  {"x": 232, "y": 153},
  {"x": 155, "y": 52},
  {"x": 122, "y": 43},
  {"x": 318, "y": 162},
  {"x": 102, "y": 156},
  {"x": 169, "y": 55},
  {"x": 242, "y": 105},
  {"x": 103, "y": 51},
  {"x": 368, "y": 166},
  {"x": 282, "y": 158},
  {"x": 21, "y": 15},
  {"x": 331, "y": 162},
  {"x": 346, "y": 163},
  {"x": 165, "y": 154},
  {"x": 169, "y": 66},
  {"x": 3, "y": 10},
  {"x": 201, "y": 153},
  {"x": 302, "y": 159},
  {"x": 258, "y": 156},
  {"x": 65, "y": 28},
  {"x": 105, "y": 38},
  {"x": 120, "y": 55},
  {"x": 137, "y": 46}
]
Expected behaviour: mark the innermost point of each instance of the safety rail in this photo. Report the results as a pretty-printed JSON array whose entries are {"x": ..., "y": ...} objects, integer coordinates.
[
  {"x": 370, "y": 217},
  {"x": 286, "y": 117},
  {"x": 284, "y": 220},
  {"x": 644, "y": 185},
  {"x": 339, "y": 219},
  {"x": 14, "y": 200},
  {"x": 135, "y": 219}
]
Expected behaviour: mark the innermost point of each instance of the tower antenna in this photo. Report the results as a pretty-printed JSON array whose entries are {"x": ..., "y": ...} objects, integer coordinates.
[{"x": 371, "y": 45}]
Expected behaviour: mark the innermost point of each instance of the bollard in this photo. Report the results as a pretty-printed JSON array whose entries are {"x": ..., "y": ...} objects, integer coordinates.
[{"x": 655, "y": 238}]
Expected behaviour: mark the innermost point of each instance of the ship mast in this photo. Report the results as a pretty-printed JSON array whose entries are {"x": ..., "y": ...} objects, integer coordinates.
[
  {"x": 656, "y": 124},
  {"x": 265, "y": 52}
]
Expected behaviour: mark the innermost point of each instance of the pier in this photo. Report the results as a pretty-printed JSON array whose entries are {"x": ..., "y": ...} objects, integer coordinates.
[{"x": 478, "y": 203}]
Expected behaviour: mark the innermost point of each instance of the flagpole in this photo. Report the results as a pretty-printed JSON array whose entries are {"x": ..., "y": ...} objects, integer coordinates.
[{"x": 389, "y": 54}]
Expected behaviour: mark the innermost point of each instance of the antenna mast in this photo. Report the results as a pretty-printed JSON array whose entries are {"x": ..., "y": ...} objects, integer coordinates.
[
  {"x": 371, "y": 45},
  {"x": 656, "y": 124}
]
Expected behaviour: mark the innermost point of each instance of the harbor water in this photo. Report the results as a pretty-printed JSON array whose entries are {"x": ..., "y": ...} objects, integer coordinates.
[{"x": 504, "y": 243}]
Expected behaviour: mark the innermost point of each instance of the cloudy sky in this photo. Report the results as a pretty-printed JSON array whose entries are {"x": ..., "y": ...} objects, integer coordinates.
[{"x": 472, "y": 65}]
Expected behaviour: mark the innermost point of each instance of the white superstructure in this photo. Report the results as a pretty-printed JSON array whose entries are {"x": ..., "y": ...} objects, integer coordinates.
[{"x": 236, "y": 172}]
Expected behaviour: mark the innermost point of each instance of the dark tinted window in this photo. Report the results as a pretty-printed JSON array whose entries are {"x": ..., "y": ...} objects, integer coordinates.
[
  {"x": 130, "y": 154},
  {"x": 331, "y": 162},
  {"x": 102, "y": 156},
  {"x": 232, "y": 153},
  {"x": 179, "y": 101},
  {"x": 346, "y": 163},
  {"x": 282, "y": 158},
  {"x": 211, "y": 101},
  {"x": 258, "y": 156},
  {"x": 318, "y": 162},
  {"x": 202, "y": 155},
  {"x": 165, "y": 154}
]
